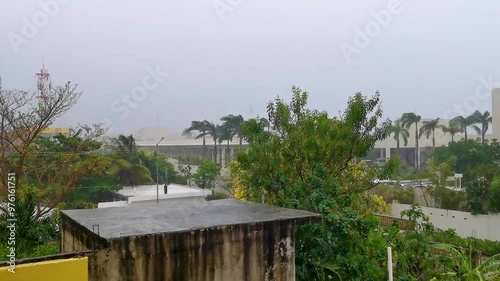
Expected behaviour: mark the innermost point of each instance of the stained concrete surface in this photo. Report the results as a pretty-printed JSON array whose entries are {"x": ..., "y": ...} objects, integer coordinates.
[{"x": 150, "y": 219}]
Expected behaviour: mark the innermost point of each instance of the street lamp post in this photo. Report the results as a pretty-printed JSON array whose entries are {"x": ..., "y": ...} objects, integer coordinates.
[
  {"x": 165, "y": 186},
  {"x": 157, "y": 188}
]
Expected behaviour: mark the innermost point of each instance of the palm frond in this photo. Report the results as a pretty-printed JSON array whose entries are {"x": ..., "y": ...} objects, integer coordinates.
[{"x": 477, "y": 129}]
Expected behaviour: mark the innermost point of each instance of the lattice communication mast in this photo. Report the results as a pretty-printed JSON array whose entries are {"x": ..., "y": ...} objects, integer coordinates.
[{"x": 43, "y": 85}]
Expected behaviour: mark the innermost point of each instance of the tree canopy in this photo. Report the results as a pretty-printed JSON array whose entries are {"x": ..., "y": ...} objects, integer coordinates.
[{"x": 309, "y": 161}]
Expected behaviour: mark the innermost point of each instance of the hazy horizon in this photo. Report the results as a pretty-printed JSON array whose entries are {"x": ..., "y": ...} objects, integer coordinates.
[{"x": 427, "y": 58}]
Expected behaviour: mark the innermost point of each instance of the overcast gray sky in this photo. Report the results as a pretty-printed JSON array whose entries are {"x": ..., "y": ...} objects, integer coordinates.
[{"x": 427, "y": 57}]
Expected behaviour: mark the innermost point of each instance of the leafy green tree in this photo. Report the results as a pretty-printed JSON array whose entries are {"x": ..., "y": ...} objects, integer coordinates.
[
  {"x": 413, "y": 249},
  {"x": 464, "y": 123},
  {"x": 479, "y": 186},
  {"x": 401, "y": 194},
  {"x": 240, "y": 180},
  {"x": 166, "y": 170},
  {"x": 399, "y": 132},
  {"x": 128, "y": 162},
  {"x": 477, "y": 196},
  {"x": 309, "y": 162},
  {"x": 407, "y": 120},
  {"x": 55, "y": 166},
  {"x": 478, "y": 162},
  {"x": 185, "y": 173},
  {"x": 469, "y": 155},
  {"x": 428, "y": 128},
  {"x": 22, "y": 119},
  {"x": 484, "y": 119},
  {"x": 207, "y": 174},
  {"x": 494, "y": 196},
  {"x": 264, "y": 123}
]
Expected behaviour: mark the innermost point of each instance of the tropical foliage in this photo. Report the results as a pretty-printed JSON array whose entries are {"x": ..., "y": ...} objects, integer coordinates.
[
  {"x": 206, "y": 175},
  {"x": 428, "y": 128},
  {"x": 34, "y": 237},
  {"x": 399, "y": 132},
  {"x": 128, "y": 166},
  {"x": 232, "y": 123},
  {"x": 483, "y": 119},
  {"x": 297, "y": 158},
  {"x": 407, "y": 120},
  {"x": 225, "y": 132},
  {"x": 464, "y": 122},
  {"x": 308, "y": 162},
  {"x": 478, "y": 162},
  {"x": 453, "y": 128}
]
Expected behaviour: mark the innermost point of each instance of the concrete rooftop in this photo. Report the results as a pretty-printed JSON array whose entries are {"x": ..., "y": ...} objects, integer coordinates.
[
  {"x": 174, "y": 190},
  {"x": 178, "y": 217}
]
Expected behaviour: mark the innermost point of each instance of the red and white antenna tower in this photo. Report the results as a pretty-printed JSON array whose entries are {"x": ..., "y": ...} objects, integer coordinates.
[{"x": 43, "y": 83}]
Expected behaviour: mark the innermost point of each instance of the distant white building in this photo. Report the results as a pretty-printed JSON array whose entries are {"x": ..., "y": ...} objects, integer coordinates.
[
  {"x": 147, "y": 194},
  {"x": 384, "y": 149},
  {"x": 495, "y": 113},
  {"x": 440, "y": 138},
  {"x": 148, "y": 136}
]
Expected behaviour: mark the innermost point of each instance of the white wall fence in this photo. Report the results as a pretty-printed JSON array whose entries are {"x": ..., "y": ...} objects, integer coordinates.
[{"x": 465, "y": 224}]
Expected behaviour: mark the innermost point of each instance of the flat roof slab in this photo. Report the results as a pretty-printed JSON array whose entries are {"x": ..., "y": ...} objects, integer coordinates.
[
  {"x": 178, "y": 217},
  {"x": 150, "y": 190}
]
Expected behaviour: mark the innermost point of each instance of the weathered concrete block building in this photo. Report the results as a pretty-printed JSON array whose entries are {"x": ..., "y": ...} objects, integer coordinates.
[{"x": 218, "y": 240}]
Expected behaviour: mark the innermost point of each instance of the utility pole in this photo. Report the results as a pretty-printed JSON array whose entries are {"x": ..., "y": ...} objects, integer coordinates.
[
  {"x": 389, "y": 263},
  {"x": 157, "y": 188}
]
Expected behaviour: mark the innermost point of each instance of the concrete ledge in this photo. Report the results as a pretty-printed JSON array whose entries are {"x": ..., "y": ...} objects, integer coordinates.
[{"x": 50, "y": 258}]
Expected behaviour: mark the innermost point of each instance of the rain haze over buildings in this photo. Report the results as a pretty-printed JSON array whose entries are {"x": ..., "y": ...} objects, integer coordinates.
[
  {"x": 211, "y": 166},
  {"x": 195, "y": 60}
]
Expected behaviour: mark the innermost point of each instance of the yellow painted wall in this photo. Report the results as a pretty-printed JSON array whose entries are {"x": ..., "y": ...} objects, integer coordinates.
[{"x": 56, "y": 270}]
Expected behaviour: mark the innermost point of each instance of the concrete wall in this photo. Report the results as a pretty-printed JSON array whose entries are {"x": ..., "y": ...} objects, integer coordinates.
[
  {"x": 407, "y": 155},
  {"x": 174, "y": 151},
  {"x": 465, "y": 224},
  {"x": 76, "y": 238},
  {"x": 75, "y": 269},
  {"x": 152, "y": 200},
  {"x": 246, "y": 252},
  {"x": 112, "y": 204},
  {"x": 495, "y": 112}
]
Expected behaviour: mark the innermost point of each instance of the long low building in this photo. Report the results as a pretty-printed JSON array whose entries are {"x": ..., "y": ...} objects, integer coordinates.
[
  {"x": 175, "y": 144},
  {"x": 147, "y": 194}
]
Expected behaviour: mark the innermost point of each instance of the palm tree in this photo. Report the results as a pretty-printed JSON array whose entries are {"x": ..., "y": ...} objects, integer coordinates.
[
  {"x": 488, "y": 270},
  {"x": 408, "y": 119},
  {"x": 215, "y": 131},
  {"x": 463, "y": 122},
  {"x": 128, "y": 162},
  {"x": 399, "y": 132},
  {"x": 481, "y": 118},
  {"x": 226, "y": 135},
  {"x": 200, "y": 127},
  {"x": 453, "y": 129},
  {"x": 233, "y": 123},
  {"x": 264, "y": 123},
  {"x": 428, "y": 128}
]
